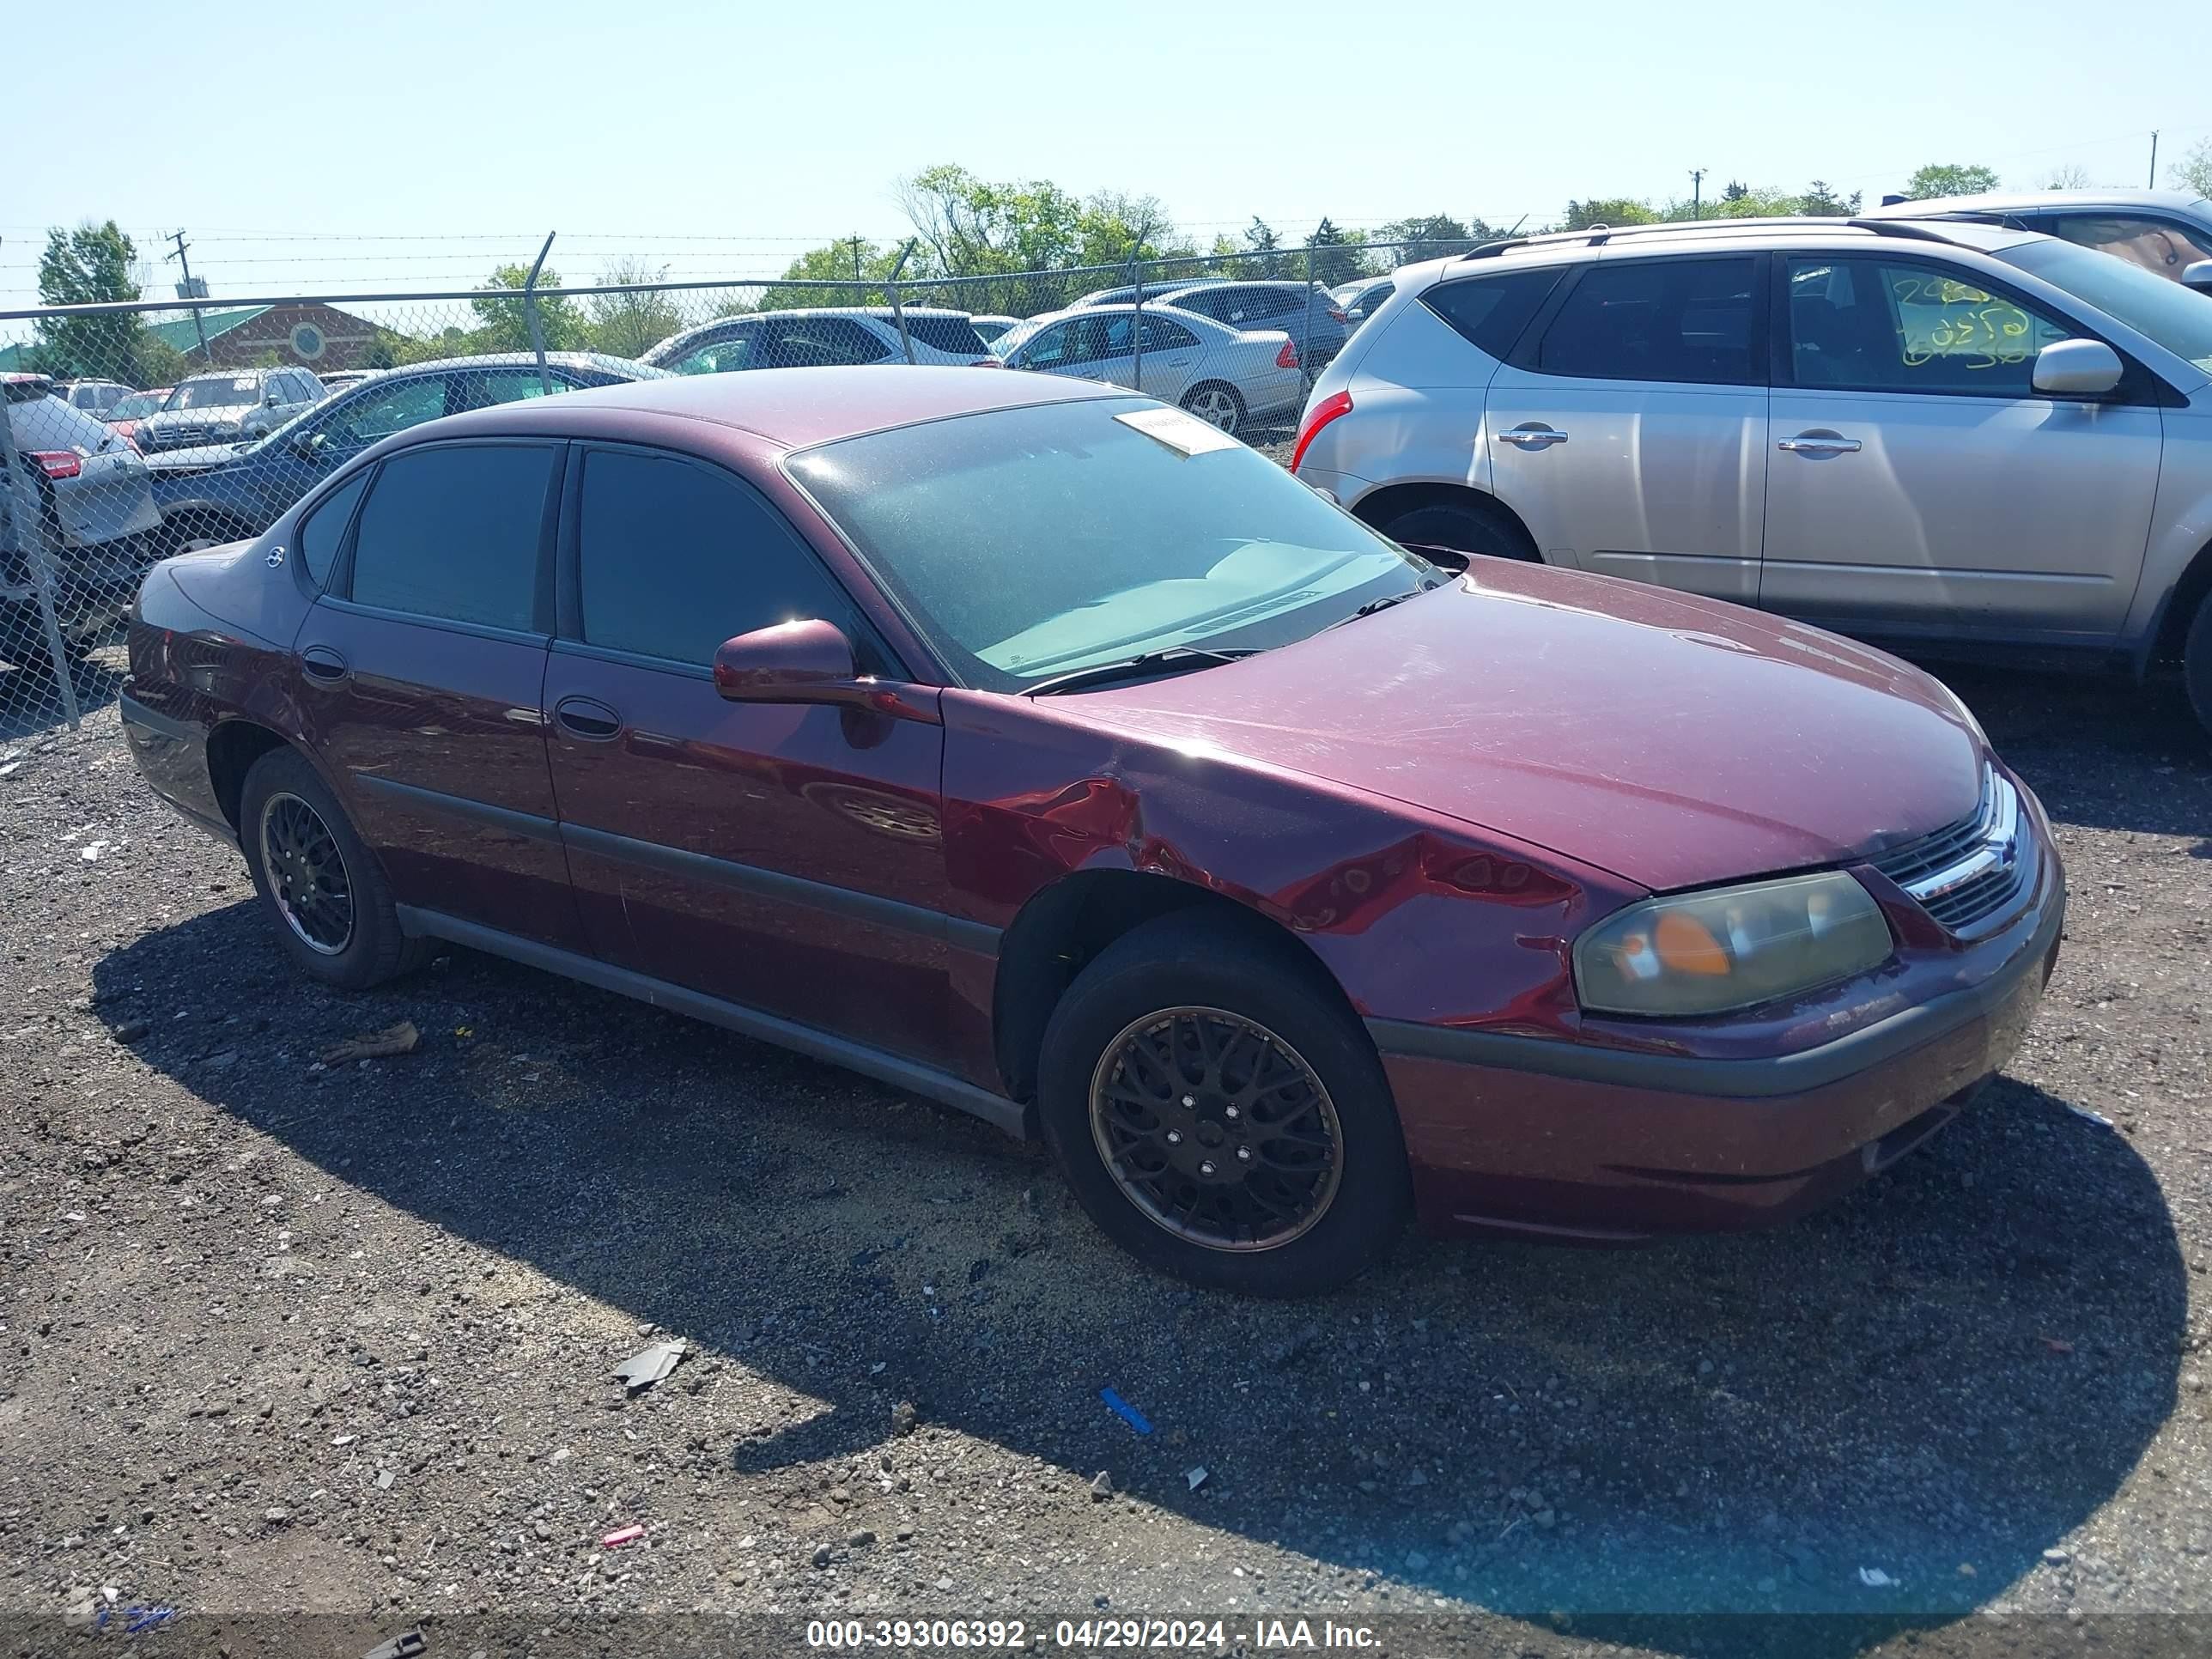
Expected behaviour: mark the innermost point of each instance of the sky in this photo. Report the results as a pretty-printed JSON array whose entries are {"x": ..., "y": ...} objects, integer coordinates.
[{"x": 404, "y": 145}]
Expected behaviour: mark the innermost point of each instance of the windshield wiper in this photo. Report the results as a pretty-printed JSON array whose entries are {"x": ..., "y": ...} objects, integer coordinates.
[
  {"x": 1150, "y": 662},
  {"x": 1384, "y": 602}
]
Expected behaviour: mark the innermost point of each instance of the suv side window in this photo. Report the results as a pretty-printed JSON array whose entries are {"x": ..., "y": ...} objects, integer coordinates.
[
  {"x": 1049, "y": 348},
  {"x": 453, "y": 532},
  {"x": 719, "y": 357},
  {"x": 818, "y": 342},
  {"x": 1865, "y": 324},
  {"x": 1656, "y": 320},
  {"x": 674, "y": 557},
  {"x": 2163, "y": 246},
  {"x": 363, "y": 419},
  {"x": 323, "y": 531},
  {"x": 1490, "y": 312},
  {"x": 953, "y": 334}
]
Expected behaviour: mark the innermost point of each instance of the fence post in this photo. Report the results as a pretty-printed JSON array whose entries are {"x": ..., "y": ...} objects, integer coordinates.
[
  {"x": 530, "y": 314},
  {"x": 891, "y": 292},
  {"x": 1136, "y": 309},
  {"x": 1305, "y": 345},
  {"x": 27, "y": 512}
]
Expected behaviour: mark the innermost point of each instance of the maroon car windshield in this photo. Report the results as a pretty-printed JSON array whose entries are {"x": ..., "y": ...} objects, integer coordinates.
[{"x": 1032, "y": 542}]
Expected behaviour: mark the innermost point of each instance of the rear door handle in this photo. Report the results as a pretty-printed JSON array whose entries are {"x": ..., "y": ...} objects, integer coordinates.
[
  {"x": 1819, "y": 443},
  {"x": 324, "y": 663},
  {"x": 1533, "y": 434},
  {"x": 588, "y": 719}
]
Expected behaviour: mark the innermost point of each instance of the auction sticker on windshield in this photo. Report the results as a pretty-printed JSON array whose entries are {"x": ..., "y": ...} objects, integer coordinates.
[{"x": 1184, "y": 434}]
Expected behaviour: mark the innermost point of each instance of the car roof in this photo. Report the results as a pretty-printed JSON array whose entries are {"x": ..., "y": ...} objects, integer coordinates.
[
  {"x": 1731, "y": 236},
  {"x": 791, "y": 408},
  {"x": 2172, "y": 201},
  {"x": 514, "y": 360}
]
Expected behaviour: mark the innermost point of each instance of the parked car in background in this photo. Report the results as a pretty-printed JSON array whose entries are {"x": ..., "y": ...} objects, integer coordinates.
[
  {"x": 821, "y": 339},
  {"x": 990, "y": 327},
  {"x": 92, "y": 397},
  {"x": 83, "y": 490},
  {"x": 2165, "y": 232},
  {"x": 1359, "y": 300},
  {"x": 1031, "y": 746},
  {"x": 223, "y": 492},
  {"x": 230, "y": 406},
  {"x": 1124, "y": 294},
  {"x": 1228, "y": 377},
  {"x": 1957, "y": 436},
  {"x": 123, "y": 416},
  {"x": 342, "y": 380},
  {"x": 1303, "y": 311}
]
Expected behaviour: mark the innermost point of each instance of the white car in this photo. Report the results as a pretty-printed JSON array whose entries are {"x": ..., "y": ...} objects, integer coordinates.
[
  {"x": 229, "y": 406},
  {"x": 2166, "y": 232},
  {"x": 1228, "y": 377},
  {"x": 821, "y": 339},
  {"x": 991, "y": 327}
]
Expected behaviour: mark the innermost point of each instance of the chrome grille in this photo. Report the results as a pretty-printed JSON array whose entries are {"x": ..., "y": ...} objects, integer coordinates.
[{"x": 1966, "y": 873}]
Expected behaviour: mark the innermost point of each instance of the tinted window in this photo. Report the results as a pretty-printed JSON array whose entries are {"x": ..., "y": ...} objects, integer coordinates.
[
  {"x": 955, "y": 334},
  {"x": 453, "y": 532},
  {"x": 1655, "y": 319},
  {"x": 2158, "y": 245},
  {"x": 369, "y": 415},
  {"x": 673, "y": 558},
  {"x": 819, "y": 342},
  {"x": 1207, "y": 302},
  {"x": 1867, "y": 325},
  {"x": 1164, "y": 334},
  {"x": 1491, "y": 311},
  {"x": 322, "y": 530},
  {"x": 1049, "y": 347}
]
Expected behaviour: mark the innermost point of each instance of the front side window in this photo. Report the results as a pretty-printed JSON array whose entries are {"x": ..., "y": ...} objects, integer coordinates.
[
  {"x": 733, "y": 351},
  {"x": 369, "y": 416},
  {"x": 2162, "y": 246},
  {"x": 453, "y": 532},
  {"x": 323, "y": 530},
  {"x": 216, "y": 391},
  {"x": 1029, "y": 543},
  {"x": 1686, "y": 321},
  {"x": 1874, "y": 325},
  {"x": 673, "y": 558},
  {"x": 819, "y": 342}
]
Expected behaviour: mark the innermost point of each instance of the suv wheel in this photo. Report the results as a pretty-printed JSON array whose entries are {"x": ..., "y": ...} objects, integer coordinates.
[
  {"x": 2196, "y": 662},
  {"x": 1468, "y": 528},
  {"x": 332, "y": 908},
  {"x": 1218, "y": 1116}
]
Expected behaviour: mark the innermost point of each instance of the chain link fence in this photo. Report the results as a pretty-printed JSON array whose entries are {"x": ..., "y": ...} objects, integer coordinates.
[{"x": 141, "y": 430}]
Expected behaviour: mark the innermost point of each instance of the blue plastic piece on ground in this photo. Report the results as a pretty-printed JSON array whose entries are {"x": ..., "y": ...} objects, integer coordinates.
[
  {"x": 1122, "y": 1409},
  {"x": 145, "y": 1618}
]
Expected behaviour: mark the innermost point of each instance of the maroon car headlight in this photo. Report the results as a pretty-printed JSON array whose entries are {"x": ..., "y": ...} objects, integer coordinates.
[{"x": 1730, "y": 947}]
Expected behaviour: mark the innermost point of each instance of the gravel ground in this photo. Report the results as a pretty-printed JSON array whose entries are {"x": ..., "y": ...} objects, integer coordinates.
[{"x": 276, "y": 1337}]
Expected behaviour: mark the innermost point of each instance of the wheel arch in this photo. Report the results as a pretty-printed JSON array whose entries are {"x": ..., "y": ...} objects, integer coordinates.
[
  {"x": 1377, "y": 508},
  {"x": 2177, "y": 611},
  {"x": 1065, "y": 925},
  {"x": 233, "y": 747}
]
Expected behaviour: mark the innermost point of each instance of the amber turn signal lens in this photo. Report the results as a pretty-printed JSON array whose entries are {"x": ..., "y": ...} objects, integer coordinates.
[{"x": 1687, "y": 945}]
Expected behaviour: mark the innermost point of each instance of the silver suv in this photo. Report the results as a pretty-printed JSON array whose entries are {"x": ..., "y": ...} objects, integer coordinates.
[{"x": 1925, "y": 432}]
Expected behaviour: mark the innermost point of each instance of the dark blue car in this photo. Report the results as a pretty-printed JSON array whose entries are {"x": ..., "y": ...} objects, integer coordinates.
[{"x": 226, "y": 492}]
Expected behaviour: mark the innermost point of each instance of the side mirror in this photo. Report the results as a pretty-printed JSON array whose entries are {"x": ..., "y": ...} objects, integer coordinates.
[
  {"x": 2076, "y": 368},
  {"x": 809, "y": 661},
  {"x": 2198, "y": 275}
]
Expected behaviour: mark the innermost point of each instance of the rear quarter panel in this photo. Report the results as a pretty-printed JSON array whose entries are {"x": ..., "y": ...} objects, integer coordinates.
[{"x": 1418, "y": 390}]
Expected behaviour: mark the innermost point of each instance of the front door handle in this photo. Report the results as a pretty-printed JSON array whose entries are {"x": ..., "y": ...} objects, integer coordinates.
[
  {"x": 1819, "y": 443},
  {"x": 324, "y": 663},
  {"x": 588, "y": 719},
  {"x": 1533, "y": 434}
]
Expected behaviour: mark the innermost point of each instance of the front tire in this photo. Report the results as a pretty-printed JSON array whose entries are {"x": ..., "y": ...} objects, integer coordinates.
[
  {"x": 317, "y": 881},
  {"x": 1219, "y": 1115},
  {"x": 1217, "y": 405},
  {"x": 2197, "y": 663},
  {"x": 1470, "y": 529}
]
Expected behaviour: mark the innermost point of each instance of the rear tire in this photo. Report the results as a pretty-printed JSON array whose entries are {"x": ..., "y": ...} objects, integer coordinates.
[
  {"x": 1287, "y": 1172},
  {"x": 2197, "y": 663},
  {"x": 1216, "y": 404},
  {"x": 317, "y": 881},
  {"x": 1467, "y": 528}
]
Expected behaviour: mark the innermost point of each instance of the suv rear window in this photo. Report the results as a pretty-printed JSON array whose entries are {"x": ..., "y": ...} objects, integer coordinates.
[
  {"x": 1656, "y": 320},
  {"x": 1491, "y": 311},
  {"x": 954, "y": 334}
]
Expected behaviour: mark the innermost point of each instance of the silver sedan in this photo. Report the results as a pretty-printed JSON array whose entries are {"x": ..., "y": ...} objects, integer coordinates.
[{"x": 1228, "y": 377}]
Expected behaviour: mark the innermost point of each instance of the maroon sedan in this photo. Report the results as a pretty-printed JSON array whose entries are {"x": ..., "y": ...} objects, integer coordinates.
[{"x": 1034, "y": 747}]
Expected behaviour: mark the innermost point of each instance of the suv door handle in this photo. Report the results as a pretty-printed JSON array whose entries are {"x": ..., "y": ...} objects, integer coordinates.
[
  {"x": 1533, "y": 434},
  {"x": 324, "y": 663},
  {"x": 588, "y": 719},
  {"x": 1819, "y": 443}
]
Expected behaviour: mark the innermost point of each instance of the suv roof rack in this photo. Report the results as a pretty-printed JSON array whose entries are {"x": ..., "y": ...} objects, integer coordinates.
[{"x": 1598, "y": 236}]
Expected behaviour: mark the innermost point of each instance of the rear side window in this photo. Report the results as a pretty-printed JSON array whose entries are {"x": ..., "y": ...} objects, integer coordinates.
[
  {"x": 673, "y": 558},
  {"x": 1491, "y": 312},
  {"x": 453, "y": 532},
  {"x": 323, "y": 530},
  {"x": 1656, "y": 320},
  {"x": 819, "y": 342},
  {"x": 1164, "y": 334},
  {"x": 954, "y": 334}
]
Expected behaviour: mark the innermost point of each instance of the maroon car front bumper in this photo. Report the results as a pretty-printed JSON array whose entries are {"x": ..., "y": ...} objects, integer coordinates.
[{"x": 1557, "y": 1140}]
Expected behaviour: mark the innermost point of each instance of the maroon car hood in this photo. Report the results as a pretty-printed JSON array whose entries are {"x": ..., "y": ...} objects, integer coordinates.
[{"x": 1671, "y": 739}]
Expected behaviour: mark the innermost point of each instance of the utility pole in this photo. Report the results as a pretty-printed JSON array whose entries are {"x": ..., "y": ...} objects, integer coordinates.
[
  {"x": 1697, "y": 192},
  {"x": 2153, "y": 159},
  {"x": 185, "y": 292},
  {"x": 856, "y": 258}
]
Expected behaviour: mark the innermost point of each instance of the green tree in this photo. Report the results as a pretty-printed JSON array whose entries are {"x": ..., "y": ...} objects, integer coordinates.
[
  {"x": 1430, "y": 236},
  {"x": 2194, "y": 170},
  {"x": 1260, "y": 237},
  {"x": 89, "y": 265},
  {"x": 631, "y": 325},
  {"x": 833, "y": 267},
  {"x": 971, "y": 227},
  {"x": 504, "y": 324},
  {"x": 1335, "y": 256},
  {"x": 1823, "y": 202},
  {"x": 2072, "y": 176},
  {"x": 160, "y": 364},
  {"x": 1950, "y": 178},
  {"x": 1609, "y": 211}
]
